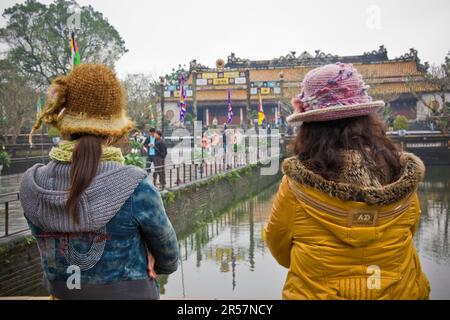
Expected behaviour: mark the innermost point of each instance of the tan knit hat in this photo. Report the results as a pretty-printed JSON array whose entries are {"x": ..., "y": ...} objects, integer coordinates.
[{"x": 90, "y": 99}]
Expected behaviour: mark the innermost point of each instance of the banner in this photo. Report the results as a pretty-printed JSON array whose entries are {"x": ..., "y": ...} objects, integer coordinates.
[
  {"x": 230, "y": 108},
  {"x": 240, "y": 80},
  {"x": 233, "y": 74},
  {"x": 76, "y": 59},
  {"x": 261, "y": 115},
  {"x": 220, "y": 81},
  {"x": 220, "y": 78},
  {"x": 182, "y": 99},
  {"x": 265, "y": 90}
]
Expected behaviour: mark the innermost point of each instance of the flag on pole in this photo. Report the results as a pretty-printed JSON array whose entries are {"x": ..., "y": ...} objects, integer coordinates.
[
  {"x": 261, "y": 116},
  {"x": 278, "y": 113},
  {"x": 76, "y": 59},
  {"x": 152, "y": 116},
  {"x": 182, "y": 99},
  {"x": 229, "y": 107}
]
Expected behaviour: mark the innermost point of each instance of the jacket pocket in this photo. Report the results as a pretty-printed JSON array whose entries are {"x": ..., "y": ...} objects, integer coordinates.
[
  {"x": 360, "y": 288},
  {"x": 370, "y": 287}
]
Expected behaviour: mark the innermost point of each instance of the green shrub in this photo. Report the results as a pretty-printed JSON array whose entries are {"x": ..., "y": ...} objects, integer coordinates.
[
  {"x": 5, "y": 158},
  {"x": 136, "y": 145},
  {"x": 188, "y": 117},
  {"x": 170, "y": 197},
  {"x": 135, "y": 160},
  {"x": 400, "y": 123},
  {"x": 232, "y": 176}
]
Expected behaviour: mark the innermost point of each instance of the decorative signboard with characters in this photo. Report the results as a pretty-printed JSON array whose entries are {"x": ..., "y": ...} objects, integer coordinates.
[
  {"x": 220, "y": 78},
  {"x": 265, "y": 87},
  {"x": 173, "y": 91}
]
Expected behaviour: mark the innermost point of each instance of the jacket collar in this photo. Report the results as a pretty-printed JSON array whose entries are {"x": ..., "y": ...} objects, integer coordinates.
[{"x": 357, "y": 183}]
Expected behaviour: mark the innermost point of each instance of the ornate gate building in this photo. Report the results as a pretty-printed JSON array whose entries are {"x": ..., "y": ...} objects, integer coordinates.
[{"x": 278, "y": 80}]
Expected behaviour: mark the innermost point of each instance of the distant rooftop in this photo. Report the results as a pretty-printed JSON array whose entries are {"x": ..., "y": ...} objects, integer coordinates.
[{"x": 319, "y": 58}]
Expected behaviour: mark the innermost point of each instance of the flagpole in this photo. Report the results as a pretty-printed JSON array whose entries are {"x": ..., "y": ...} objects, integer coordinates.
[{"x": 76, "y": 59}]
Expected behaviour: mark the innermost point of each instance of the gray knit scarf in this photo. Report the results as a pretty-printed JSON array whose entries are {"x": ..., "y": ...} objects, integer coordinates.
[{"x": 43, "y": 194}]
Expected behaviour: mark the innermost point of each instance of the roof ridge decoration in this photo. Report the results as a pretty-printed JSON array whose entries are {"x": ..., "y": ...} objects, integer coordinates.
[
  {"x": 319, "y": 58},
  {"x": 379, "y": 55},
  {"x": 232, "y": 59},
  {"x": 306, "y": 59},
  {"x": 381, "y": 52},
  {"x": 413, "y": 56},
  {"x": 194, "y": 65}
]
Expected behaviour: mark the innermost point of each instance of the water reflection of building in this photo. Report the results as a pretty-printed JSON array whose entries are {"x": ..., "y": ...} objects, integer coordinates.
[
  {"x": 224, "y": 240},
  {"x": 432, "y": 238}
]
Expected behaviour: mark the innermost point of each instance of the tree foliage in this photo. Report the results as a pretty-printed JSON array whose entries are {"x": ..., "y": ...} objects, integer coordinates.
[
  {"x": 17, "y": 102},
  {"x": 400, "y": 123},
  {"x": 37, "y": 37},
  {"x": 173, "y": 77},
  {"x": 141, "y": 93},
  {"x": 437, "y": 79}
]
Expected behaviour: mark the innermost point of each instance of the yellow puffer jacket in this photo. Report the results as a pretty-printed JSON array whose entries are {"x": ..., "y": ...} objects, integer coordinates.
[{"x": 351, "y": 239}]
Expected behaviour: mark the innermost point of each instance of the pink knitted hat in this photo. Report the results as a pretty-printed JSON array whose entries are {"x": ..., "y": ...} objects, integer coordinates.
[{"x": 332, "y": 92}]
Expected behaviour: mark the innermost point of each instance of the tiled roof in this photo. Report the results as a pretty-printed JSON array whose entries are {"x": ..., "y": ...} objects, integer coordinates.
[{"x": 375, "y": 70}]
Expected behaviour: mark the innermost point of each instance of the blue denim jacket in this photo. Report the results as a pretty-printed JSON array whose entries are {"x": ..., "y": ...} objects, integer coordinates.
[{"x": 140, "y": 225}]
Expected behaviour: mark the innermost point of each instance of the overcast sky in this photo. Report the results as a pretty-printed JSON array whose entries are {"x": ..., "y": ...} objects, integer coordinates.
[{"x": 161, "y": 34}]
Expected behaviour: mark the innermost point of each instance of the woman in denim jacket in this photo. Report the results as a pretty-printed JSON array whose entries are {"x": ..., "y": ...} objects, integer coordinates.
[{"x": 101, "y": 226}]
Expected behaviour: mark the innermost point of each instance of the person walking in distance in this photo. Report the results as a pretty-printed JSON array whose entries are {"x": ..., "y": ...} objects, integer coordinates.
[
  {"x": 224, "y": 139},
  {"x": 160, "y": 156}
]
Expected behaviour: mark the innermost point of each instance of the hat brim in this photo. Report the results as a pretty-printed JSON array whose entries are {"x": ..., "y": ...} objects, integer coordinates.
[
  {"x": 114, "y": 127},
  {"x": 336, "y": 112}
]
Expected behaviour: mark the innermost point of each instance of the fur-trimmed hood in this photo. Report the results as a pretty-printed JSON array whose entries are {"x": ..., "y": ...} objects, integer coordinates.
[{"x": 356, "y": 182}]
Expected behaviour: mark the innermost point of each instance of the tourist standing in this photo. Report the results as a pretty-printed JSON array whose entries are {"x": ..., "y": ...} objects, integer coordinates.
[
  {"x": 101, "y": 227},
  {"x": 224, "y": 139},
  {"x": 215, "y": 143},
  {"x": 149, "y": 144},
  {"x": 344, "y": 217},
  {"x": 160, "y": 156}
]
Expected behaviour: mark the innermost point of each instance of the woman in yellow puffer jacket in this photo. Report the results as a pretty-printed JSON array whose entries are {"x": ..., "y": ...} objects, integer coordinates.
[{"x": 346, "y": 211}]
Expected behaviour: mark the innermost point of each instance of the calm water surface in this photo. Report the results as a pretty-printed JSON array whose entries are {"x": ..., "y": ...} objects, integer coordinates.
[{"x": 228, "y": 259}]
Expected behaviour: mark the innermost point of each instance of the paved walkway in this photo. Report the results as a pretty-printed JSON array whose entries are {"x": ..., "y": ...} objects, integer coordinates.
[{"x": 9, "y": 183}]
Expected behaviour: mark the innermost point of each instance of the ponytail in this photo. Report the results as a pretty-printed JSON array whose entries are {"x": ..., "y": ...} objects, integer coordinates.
[{"x": 85, "y": 161}]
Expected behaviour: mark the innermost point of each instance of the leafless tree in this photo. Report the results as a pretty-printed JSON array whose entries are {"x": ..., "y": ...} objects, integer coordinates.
[
  {"x": 17, "y": 103},
  {"x": 437, "y": 83},
  {"x": 141, "y": 93}
]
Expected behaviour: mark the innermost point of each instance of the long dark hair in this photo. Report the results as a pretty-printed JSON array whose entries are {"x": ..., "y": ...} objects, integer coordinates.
[
  {"x": 321, "y": 143},
  {"x": 85, "y": 161}
]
